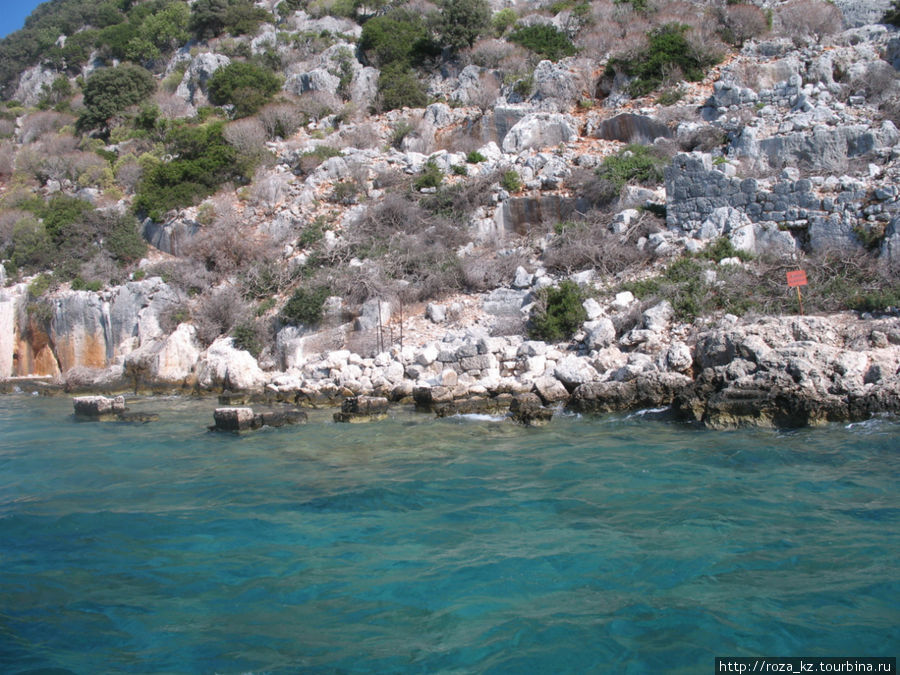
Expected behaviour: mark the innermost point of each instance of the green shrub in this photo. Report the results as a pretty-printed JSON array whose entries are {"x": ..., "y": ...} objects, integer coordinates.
[
  {"x": 79, "y": 284},
  {"x": 462, "y": 21},
  {"x": 244, "y": 85},
  {"x": 213, "y": 17},
  {"x": 60, "y": 212},
  {"x": 246, "y": 336},
  {"x": 401, "y": 130},
  {"x": 558, "y": 313},
  {"x": 399, "y": 37},
  {"x": 670, "y": 96},
  {"x": 122, "y": 238},
  {"x": 636, "y": 163},
  {"x": 475, "y": 157},
  {"x": 305, "y": 306},
  {"x": 544, "y": 40},
  {"x": 723, "y": 248},
  {"x": 203, "y": 161},
  {"x": 310, "y": 159},
  {"x": 109, "y": 91},
  {"x": 39, "y": 285},
  {"x": 503, "y": 20},
  {"x": 398, "y": 87},
  {"x": 511, "y": 181},
  {"x": 31, "y": 247},
  {"x": 524, "y": 86},
  {"x": 668, "y": 50},
  {"x": 430, "y": 177},
  {"x": 459, "y": 170}
]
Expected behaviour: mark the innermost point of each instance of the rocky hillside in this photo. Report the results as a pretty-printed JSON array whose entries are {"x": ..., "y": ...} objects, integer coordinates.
[{"x": 458, "y": 202}]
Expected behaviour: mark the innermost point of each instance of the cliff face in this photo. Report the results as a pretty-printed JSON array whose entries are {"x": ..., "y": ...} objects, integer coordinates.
[{"x": 78, "y": 329}]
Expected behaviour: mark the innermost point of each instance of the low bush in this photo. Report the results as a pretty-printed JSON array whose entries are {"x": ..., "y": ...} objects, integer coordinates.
[
  {"x": 558, "y": 313},
  {"x": 249, "y": 337},
  {"x": 398, "y": 87},
  {"x": 741, "y": 22},
  {"x": 634, "y": 164},
  {"x": 590, "y": 245},
  {"x": 311, "y": 159},
  {"x": 723, "y": 248},
  {"x": 304, "y": 308},
  {"x": 430, "y": 177},
  {"x": 244, "y": 85},
  {"x": 545, "y": 41},
  {"x": 802, "y": 19},
  {"x": 892, "y": 15},
  {"x": 475, "y": 157},
  {"x": 218, "y": 311},
  {"x": 511, "y": 181}
]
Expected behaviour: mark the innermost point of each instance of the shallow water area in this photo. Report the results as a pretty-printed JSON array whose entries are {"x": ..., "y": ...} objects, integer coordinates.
[{"x": 420, "y": 545}]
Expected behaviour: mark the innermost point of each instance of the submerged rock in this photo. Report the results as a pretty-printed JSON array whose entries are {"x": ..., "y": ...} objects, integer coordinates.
[
  {"x": 362, "y": 409},
  {"x": 527, "y": 409},
  {"x": 246, "y": 419},
  {"x": 99, "y": 407}
]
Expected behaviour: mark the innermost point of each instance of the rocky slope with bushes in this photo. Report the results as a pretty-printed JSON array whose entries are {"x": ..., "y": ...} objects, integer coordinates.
[{"x": 454, "y": 204}]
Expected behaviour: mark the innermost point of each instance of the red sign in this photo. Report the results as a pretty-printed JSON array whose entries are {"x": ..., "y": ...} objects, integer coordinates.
[{"x": 796, "y": 278}]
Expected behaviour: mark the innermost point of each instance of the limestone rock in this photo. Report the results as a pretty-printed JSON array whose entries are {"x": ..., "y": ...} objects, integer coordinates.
[
  {"x": 573, "y": 371},
  {"x": 31, "y": 85},
  {"x": 631, "y": 128},
  {"x": 224, "y": 367},
  {"x": 98, "y": 407},
  {"x": 599, "y": 333},
  {"x": 192, "y": 89},
  {"x": 556, "y": 85},
  {"x": 234, "y": 419},
  {"x": 539, "y": 130},
  {"x": 657, "y": 318}
]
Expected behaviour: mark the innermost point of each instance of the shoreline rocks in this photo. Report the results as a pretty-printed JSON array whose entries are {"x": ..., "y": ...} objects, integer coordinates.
[
  {"x": 785, "y": 371},
  {"x": 359, "y": 409}
]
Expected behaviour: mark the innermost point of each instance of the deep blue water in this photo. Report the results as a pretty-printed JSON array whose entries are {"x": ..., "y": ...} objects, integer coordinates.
[{"x": 418, "y": 545}]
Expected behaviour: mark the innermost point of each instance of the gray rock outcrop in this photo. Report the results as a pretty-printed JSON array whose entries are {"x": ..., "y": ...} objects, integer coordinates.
[
  {"x": 539, "y": 130},
  {"x": 192, "y": 89}
]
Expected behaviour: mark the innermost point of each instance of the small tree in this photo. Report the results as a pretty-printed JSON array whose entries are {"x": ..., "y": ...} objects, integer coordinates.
[
  {"x": 398, "y": 37},
  {"x": 244, "y": 85},
  {"x": 742, "y": 22},
  {"x": 110, "y": 90},
  {"x": 462, "y": 22}
]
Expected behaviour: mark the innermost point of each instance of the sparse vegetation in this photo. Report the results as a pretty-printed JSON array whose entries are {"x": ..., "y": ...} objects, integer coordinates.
[
  {"x": 545, "y": 41},
  {"x": 669, "y": 52}
]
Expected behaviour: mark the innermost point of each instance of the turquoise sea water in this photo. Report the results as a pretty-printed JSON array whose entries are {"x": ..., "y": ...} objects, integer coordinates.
[{"x": 416, "y": 545}]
